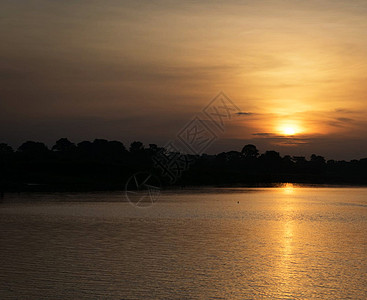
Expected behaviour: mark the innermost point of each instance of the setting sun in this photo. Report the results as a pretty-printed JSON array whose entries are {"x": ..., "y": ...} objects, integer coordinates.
[{"x": 289, "y": 130}]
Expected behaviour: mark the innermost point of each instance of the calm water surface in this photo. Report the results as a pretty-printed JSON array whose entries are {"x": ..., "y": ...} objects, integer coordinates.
[{"x": 275, "y": 243}]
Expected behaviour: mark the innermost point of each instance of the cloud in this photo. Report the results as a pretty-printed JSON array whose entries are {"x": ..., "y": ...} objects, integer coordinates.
[
  {"x": 343, "y": 110},
  {"x": 346, "y": 120},
  {"x": 340, "y": 122},
  {"x": 242, "y": 113},
  {"x": 291, "y": 142},
  {"x": 266, "y": 134},
  {"x": 281, "y": 140}
]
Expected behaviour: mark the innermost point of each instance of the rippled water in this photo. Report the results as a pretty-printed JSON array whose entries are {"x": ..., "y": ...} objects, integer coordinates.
[{"x": 278, "y": 243}]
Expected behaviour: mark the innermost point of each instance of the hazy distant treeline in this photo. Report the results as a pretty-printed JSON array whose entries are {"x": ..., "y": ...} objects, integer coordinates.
[{"x": 102, "y": 164}]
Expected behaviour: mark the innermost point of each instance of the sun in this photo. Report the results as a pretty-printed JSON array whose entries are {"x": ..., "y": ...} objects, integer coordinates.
[{"x": 289, "y": 130}]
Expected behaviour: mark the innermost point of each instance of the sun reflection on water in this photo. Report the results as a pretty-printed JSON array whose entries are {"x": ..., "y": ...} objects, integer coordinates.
[
  {"x": 288, "y": 188},
  {"x": 286, "y": 238}
]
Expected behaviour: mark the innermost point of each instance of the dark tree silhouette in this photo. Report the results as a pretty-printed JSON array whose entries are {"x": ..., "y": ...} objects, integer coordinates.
[
  {"x": 250, "y": 151},
  {"x": 271, "y": 156},
  {"x": 33, "y": 148},
  {"x": 317, "y": 159},
  {"x": 100, "y": 147},
  {"x": 136, "y": 147},
  {"x": 153, "y": 148},
  {"x": 85, "y": 146},
  {"x": 5, "y": 149},
  {"x": 64, "y": 145},
  {"x": 233, "y": 156},
  {"x": 116, "y": 148},
  {"x": 104, "y": 164},
  {"x": 300, "y": 160}
]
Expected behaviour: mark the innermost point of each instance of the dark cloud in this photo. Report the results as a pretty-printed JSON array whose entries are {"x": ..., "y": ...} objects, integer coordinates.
[
  {"x": 336, "y": 124},
  {"x": 291, "y": 141},
  {"x": 265, "y": 134},
  {"x": 241, "y": 113},
  {"x": 345, "y": 120},
  {"x": 341, "y": 122},
  {"x": 344, "y": 110}
]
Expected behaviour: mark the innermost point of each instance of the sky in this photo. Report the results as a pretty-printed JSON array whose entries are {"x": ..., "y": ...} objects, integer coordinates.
[{"x": 140, "y": 70}]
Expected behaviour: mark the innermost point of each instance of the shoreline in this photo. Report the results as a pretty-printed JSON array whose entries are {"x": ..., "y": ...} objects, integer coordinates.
[{"x": 43, "y": 188}]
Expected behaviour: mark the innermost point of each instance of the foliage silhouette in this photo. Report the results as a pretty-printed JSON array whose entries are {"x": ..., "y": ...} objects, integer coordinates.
[
  {"x": 250, "y": 151},
  {"x": 106, "y": 165},
  {"x": 63, "y": 145}
]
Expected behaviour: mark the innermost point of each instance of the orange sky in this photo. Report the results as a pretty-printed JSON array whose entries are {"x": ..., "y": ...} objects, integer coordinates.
[{"x": 141, "y": 69}]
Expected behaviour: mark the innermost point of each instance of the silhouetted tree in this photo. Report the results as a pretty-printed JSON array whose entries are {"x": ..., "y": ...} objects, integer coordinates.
[
  {"x": 317, "y": 159},
  {"x": 33, "y": 148},
  {"x": 112, "y": 150},
  {"x": 136, "y": 147},
  {"x": 222, "y": 157},
  {"x": 116, "y": 147},
  {"x": 331, "y": 162},
  {"x": 104, "y": 164},
  {"x": 233, "y": 155},
  {"x": 299, "y": 160},
  {"x": 317, "y": 163},
  {"x": 153, "y": 148},
  {"x": 250, "y": 151},
  {"x": 85, "y": 146},
  {"x": 270, "y": 162},
  {"x": 271, "y": 156},
  {"x": 100, "y": 147},
  {"x": 287, "y": 161},
  {"x": 5, "y": 149},
  {"x": 63, "y": 145}
]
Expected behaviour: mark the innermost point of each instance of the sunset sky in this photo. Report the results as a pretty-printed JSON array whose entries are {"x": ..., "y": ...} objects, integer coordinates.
[{"x": 140, "y": 70}]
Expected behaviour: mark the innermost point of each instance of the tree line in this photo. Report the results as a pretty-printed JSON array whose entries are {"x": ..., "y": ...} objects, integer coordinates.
[{"x": 106, "y": 165}]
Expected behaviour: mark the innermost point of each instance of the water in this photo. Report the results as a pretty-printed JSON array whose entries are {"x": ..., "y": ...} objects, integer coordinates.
[{"x": 276, "y": 243}]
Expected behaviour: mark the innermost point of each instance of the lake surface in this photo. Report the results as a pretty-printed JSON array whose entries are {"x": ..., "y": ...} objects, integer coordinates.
[{"x": 273, "y": 243}]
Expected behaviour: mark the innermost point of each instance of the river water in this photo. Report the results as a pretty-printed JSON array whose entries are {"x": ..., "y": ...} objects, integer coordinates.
[{"x": 254, "y": 243}]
